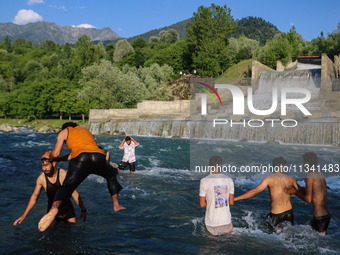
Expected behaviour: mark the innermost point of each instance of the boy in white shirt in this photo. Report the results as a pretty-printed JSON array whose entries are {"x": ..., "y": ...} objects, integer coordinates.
[
  {"x": 216, "y": 194},
  {"x": 129, "y": 157}
]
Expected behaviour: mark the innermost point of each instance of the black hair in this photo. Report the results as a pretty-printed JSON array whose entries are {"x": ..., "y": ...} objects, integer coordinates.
[
  {"x": 46, "y": 159},
  {"x": 279, "y": 161},
  {"x": 68, "y": 124},
  {"x": 311, "y": 158},
  {"x": 215, "y": 160},
  {"x": 128, "y": 138}
]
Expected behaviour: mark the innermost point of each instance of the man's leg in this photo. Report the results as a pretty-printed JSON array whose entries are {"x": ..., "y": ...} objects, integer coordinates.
[
  {"x": 116, "y": 206},
  {"x": 72, "y": 220},
  {"x": 122, "y": 165},
  {"x": 48, "y": 218},
  {"x": 105, "y": 170},
  {"x": 132, "y": 167}
]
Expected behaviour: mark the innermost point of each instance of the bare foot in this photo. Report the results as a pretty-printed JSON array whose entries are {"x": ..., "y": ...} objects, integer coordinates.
[
  {"x": 117, "y": 208},
  {"x": 47, "y": 219}
]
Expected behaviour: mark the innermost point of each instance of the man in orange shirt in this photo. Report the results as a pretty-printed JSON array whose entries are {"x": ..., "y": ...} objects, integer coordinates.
[{"x": 85, "y": 158}]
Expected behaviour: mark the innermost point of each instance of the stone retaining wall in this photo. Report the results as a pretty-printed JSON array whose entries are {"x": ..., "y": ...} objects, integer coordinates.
[{"x": 178, "y": 109}]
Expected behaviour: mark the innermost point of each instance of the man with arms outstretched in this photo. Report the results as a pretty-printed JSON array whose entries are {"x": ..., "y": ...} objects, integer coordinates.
[
  {"x": 85, "y": 158},
  {"x": 281, "y": 208},
  {"x": 51, "y": 180},
  {"x": 315, "y": 192}
]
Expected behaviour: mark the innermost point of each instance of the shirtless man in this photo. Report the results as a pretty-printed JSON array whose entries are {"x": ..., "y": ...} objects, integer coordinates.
[
  {"x": 51, "y": 180},
  {"x": 85, "y": 159},
  {"x": 281, "y": 208},
  {"x": 315, "y": 192}
]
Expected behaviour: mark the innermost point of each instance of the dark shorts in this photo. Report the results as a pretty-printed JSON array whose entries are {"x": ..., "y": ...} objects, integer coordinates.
[
  {"x": 320, "y": 224},
  {"x": 65, "y": 212},
  {"x": 82, "y": 166},
  {"x": 123, "y": 165},
  {"x": 282, "y": 217}
]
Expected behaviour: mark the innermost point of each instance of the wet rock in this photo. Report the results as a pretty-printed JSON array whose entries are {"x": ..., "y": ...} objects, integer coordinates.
[
  {"x": 272, "y": 142},
  {"x": 175, "y": 136},
  {"x": 116, "y": 132},
  {"x": 16, "y": 130},
  {"x": 43, "y": 129},
  {"x": 243, "y": 140},
  {"x": 6, "y": 128}
]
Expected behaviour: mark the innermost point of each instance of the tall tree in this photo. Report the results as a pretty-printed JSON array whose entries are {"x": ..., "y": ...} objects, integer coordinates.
[
  {"x": 123, "y": 49},
  {"x": 207, "y": 33}
]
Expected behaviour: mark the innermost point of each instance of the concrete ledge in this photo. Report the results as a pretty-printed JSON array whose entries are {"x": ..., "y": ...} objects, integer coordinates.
[
  {"x": 289, "y": 67},
  {"x": 178, "y": 109}
]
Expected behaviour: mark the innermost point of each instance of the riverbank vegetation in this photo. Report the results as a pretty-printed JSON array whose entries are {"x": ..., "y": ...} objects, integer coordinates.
[{"x": 49, "y": 80}]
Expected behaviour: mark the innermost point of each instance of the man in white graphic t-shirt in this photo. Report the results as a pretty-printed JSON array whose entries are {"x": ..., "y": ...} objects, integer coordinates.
[
  {"x": 216, "y": 194},
  {"x": 129, "y": 157}
]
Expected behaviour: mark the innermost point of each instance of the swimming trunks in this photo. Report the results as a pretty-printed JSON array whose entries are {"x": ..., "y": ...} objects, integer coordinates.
[
  {"x": 220, "y": 230},
  {"x": 66, "y": 210},
  {"x": 82, "y": 166},
  {"x": 321, "y": 223},
  {"x": 282, "y": 217},
  {"x": 122, "y": 166}
]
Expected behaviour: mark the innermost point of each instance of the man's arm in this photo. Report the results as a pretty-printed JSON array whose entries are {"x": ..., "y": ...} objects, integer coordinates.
[
  {"x": 76, "y": 197},
  {"x": 231, "y": 199},
  {"x": 32, "y": 201},
  {"x": 306, "y": 193},
  {"x": 62, "y": 137},
  {"x": 255, "y": 191},
  {"x": 136, "y": 143},
  {"x": 63, "y": 158},
  {"x": 203, "y": 202},
  {"x": 121, "y": 144}
]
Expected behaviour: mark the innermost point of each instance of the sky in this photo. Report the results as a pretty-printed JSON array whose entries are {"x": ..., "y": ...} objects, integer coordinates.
[{"x": 132, "y": 17}]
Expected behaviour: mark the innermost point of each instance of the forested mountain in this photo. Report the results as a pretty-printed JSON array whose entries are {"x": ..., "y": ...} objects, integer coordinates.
[
  {"x": 179, "y": 27},
  {"x": 256, "y": 28},
  {"x": 42, "y": 31},
  {"x": 252, "y": 27}
]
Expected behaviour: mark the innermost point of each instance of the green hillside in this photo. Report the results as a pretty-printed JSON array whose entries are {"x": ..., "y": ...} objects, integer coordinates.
[
  {"x": 179, "y": 27},
  {"x": 256, "y": 28},
  {"x": 252, "y": 27}
]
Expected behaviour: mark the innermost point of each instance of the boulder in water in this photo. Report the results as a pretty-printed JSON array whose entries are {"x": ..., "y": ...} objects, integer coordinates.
[
  {"x": 175, "y": 136},
  {"x": 272, "y": 142},
  {"x": 6, "y": 128},
  {"x": 16, "y": 130},
  {"x": 43, "y": 129},
  {"x": 243, "y": 140},
  {"x": 116, "y": 132}
]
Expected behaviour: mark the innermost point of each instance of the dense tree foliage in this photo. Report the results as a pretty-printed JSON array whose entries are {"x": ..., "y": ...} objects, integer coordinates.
[
  {"x": 207, "y": 33},
  {"x": 285, "y": 47},
  {"x": 255, "y": 28},
  {"x": 52, "y": 80}
]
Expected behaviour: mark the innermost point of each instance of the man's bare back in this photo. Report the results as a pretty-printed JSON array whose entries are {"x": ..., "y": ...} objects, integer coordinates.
[{"x": 276, "y": 184}]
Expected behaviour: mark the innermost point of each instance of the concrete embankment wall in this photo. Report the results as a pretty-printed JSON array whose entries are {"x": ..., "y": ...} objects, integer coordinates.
[
  {"x": 330, "y": 73},
  {"x": 178, "y": 109}
]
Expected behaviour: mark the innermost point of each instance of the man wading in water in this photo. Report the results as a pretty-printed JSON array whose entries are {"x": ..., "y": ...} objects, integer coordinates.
[
  {"x": 51, "y": 180},
  {"x": 85, "y": 159}
]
